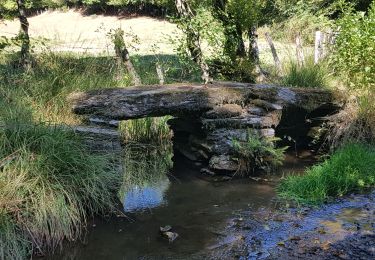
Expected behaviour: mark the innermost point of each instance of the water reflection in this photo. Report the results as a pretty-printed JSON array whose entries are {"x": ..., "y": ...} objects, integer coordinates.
[
  {"x": 146, "y": 197},
  {"x": 145, "y": 177}
]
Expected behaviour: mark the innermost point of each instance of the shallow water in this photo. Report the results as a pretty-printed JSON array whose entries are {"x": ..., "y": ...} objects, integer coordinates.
[{"x": 197, "y": 209}]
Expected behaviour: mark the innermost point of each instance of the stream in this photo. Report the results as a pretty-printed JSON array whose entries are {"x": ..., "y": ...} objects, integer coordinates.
[{"x": 201, "y": 211}]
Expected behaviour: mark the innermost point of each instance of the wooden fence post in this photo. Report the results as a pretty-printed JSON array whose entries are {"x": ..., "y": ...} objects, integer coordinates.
[
  {"x": 160, "y": 73},
  {"x": 299, "y": 50},
  {"x": 274, "y": 53},
  {"x": 318, "y": 51}
]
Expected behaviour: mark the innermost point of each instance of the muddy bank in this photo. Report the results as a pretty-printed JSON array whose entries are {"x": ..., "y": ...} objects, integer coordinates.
[{"x": 340, "y": 230}]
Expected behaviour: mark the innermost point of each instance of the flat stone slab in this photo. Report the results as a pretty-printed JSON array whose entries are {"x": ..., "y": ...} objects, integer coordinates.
[{"x": 183, "y": 99}]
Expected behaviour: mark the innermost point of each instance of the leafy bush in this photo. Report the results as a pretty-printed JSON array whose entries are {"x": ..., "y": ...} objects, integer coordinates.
[
  {"x": 309, "y": 75},
  {"x": 354, "y": 60},
  {"x": 354, "y": 52},
  {"x": 257, "y": 152},
  {"x": 350, "y": 169}
]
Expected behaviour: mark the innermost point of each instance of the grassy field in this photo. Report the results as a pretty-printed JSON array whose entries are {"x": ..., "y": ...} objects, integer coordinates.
[
  {"x": 145, "y": 35},
  {"x": 82, "y": 33}
]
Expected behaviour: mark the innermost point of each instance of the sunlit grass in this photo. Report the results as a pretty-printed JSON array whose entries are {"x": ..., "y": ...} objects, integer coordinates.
[
  {"x": 50, "y": 185},
  {"x": 309, "y": 75},
  {"x": 350, "y": 169}
]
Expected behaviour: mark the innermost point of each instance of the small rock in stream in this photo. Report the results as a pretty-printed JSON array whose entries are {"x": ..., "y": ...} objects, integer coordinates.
[
  {"x": 167, "y": 233},
  {"x": 171, "y": 236},
  {"x": 165, "y": 229}
]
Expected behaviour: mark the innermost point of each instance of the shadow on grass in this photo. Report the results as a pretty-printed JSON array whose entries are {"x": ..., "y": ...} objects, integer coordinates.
[{"x": 175, "y": 69}]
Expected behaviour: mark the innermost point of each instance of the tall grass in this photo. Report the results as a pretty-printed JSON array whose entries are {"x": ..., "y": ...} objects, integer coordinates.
[
  {"x": 309, "y": 75},
  {"x": 50, "y": 185},
  {"x": 12, "y": 243},
  {"x": 146, "y": 130},
  {"x": 350, "y": 169},
  {"x": 54, "y": 76}
]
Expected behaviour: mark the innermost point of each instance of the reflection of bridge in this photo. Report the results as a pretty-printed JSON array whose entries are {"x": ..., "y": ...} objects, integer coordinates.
[{"x": 209, "y": 117}]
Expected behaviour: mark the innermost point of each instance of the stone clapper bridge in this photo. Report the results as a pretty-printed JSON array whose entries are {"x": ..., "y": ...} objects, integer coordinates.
[{"x": 207, "y": 118}]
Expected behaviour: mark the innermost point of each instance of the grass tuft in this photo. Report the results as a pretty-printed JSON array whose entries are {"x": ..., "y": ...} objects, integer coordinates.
[
  {"x": 350, "y": 169},
  {"x": 309, "y": 75},
  {"x": 153, "y": 130}
]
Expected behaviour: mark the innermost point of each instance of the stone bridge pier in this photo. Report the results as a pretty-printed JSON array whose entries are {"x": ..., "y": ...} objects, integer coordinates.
[{"x": 207, "y": 118}]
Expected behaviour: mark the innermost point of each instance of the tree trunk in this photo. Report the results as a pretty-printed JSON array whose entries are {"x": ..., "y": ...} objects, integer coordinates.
[
  {"x": 253, "y": 45},
  {"x": 192, "y": 38},
  {"x": 123, "y": 57},
  {"x": 274, "y": 53},
  {"x": 299, "y": 51},
  {"x": 24, "y": 34},
  {"x": 254, "y": 53}
]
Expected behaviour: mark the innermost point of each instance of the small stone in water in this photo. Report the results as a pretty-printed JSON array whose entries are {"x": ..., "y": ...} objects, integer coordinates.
[
  {"x": 165, "y": 229},
  {"x": 171, "y": 236}
]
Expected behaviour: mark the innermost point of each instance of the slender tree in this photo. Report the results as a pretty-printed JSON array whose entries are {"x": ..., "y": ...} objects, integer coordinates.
[
  {"x": 193, "y": 39},
  {"x": 24, "y": 35}
]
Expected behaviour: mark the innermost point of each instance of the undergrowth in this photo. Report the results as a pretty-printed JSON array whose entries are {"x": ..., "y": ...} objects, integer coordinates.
[
  {"x": 308, "y": 75},
  {"x": 349, "y": 169},
  {"x": 257, "y": 152}
]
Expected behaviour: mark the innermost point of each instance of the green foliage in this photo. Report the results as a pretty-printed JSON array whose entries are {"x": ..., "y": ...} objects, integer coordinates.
[
  {"x": 354, "y": 52},
  {"x": 257, "y": 152},
  {"x": 354, "y": 61},
  {"x": 247, "y": 13},
  {"x": 209, "y": 30},
  {"x": 350, "y": 169},
  {"x": 304, "y": 17},
  {"x": 240, "y": 70},
  {"x": 309, "y": 75}
]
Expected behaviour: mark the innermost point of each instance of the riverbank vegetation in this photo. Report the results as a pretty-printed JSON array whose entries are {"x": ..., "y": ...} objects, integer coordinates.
[
  {"x": 51, "y": 184},
  {"x": 350, "y": 169}
]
